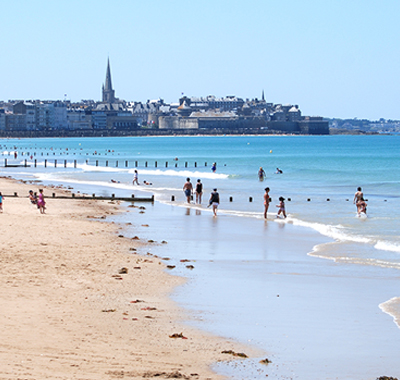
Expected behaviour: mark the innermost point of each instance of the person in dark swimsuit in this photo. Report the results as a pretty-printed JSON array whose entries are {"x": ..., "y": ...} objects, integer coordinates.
[
  {"x": 199, "y": 191},
  {"x": 214, "y": 201}
]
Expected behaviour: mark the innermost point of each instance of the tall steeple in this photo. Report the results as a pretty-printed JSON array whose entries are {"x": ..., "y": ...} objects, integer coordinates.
[
  {"x": 108, "y": 92},
  {"x": 262, "y": 96}
]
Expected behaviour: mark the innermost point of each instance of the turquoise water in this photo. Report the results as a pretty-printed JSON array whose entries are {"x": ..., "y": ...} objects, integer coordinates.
[
  {"x": 314, "y": 167},
  {"x": 242, "y": 262}
]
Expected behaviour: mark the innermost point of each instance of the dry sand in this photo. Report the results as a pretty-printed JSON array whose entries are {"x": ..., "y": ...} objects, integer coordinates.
[{"x": 67, "y": 313}]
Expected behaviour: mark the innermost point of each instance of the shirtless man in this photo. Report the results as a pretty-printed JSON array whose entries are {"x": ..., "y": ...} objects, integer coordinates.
[
  {"x": 357, "y": 198},
  {"x": 188, "y": 188}
]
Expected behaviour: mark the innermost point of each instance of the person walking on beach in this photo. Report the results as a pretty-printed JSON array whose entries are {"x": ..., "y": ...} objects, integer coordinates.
[
  {"x": 357, "y": 198},
  {"x": 199, "y": 191},
  {"x": 214, "y": 201},
  {"x": 1, "y": 202},
  {"x": 261, "y": 174},
  {"x": 214, "y": 167},
  {"x": 135, "y": 178},
  {"x": 188, "y": 189},
  {"x": 266, "y": 202},
  {"x": 41, "y": 204},
  {"x": 281, "y": 207}
]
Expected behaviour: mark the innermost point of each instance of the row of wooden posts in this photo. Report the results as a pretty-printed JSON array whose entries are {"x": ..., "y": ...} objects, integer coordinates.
[
  {"x": 64, "y": 163},
  {"x": 132, "y": 198},
  {"x": 270, "y": 199}
]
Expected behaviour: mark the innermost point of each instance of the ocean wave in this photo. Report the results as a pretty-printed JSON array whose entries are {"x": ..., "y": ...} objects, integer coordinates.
[
  {"x": 337, "y": 232},
  {"x": 392, "y": 308},
  {"x": 387, "y": 246}
]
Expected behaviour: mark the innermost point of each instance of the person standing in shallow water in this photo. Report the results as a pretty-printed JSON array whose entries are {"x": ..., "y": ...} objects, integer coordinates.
[
  {"x": 261, "y": 174},
  {"x": 266, "y": 202},
  {"x": 188, "y": 188},
  {"x": 281, "y": 207},
  {"x": 135, "y": 178},
  {"x": 357, "y": 198},
  {"x": 214, "y": 201},
  {"x": 199, "y": 191},
  {"x": 214, "y": 167}
]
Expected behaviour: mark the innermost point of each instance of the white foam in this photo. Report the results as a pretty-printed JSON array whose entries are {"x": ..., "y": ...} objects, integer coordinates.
[
  {"x": 392, "y": 308},
  {"x": 387, "y": 246}
]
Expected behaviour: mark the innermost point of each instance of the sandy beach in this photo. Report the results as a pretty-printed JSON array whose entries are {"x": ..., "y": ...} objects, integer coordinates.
[{"x": 67, "y": 311}]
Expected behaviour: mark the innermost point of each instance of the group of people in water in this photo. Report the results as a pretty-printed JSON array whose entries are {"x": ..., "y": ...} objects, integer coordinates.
[{"x": 198, "y": 191}]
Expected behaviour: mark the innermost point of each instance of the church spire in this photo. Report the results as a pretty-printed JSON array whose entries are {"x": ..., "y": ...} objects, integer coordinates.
[
  {"x": 108, "y": 92},
  {"x": 262, "y": 96}
]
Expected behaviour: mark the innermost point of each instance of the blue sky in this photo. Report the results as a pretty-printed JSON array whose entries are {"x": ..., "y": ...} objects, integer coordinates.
[{"x": 333, "y": 58}]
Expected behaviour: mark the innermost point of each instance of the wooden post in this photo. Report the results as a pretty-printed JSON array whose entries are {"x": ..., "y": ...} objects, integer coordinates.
[
  {"x": 172, "y": 198},
  {"x": 135, "y": 164},
  {"x": 195, "y": 164},
  {"x": 94, "y": 195},
  {"x": 133, "y": 196},
  {"x": 97, "y": 163},
  {"x": 26, "y": 164},
  {"x": 176, "y": 165},
  {"x": 75, "y": 164},
  {"x": 112, "y": 195},
  {"x": 5, "y": 162},
  {"x": 45, "y": 163},
  {"x": 106, "y": 163},
  {"x": 54, "y": 195},
  {"x": 35, "y": 163},
  {"x": 15, "y": 194},
  {"x": 230, "y": 199},
  {"x": 250, "y": 199},
  {"x": 65, "y": 163},
  {"x": 126, "y": 164},
  {"x": 145, "y": 164},
  {"x": 55, "y": 163},
  {"x": 116, "y": 164},
  {"x": 166, "y": 164},
  {"x": 155, "y": 164},
  {"x": 185, "y": 164}
]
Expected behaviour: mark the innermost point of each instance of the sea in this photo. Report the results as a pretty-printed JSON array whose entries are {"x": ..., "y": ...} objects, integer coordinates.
[{"x": 323, "y": 249}]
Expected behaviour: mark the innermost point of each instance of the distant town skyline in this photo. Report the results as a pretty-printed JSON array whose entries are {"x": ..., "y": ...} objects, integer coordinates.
[{"x": 334, "y": 58}]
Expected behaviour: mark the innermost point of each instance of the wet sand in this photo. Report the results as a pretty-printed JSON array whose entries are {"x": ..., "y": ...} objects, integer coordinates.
[
  {"x": 67, "y": 312},
  {"x": 253, "y": 281}
]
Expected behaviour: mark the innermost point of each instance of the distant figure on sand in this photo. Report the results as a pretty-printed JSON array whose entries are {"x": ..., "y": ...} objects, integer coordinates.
[
  {"x": 266, "y": 202},
  {"x": 41, "y": 204},
  {"x": 188, "y": 189},
  {"x": 1, "y": 202},
  {"x": 214, "y": 201},
  {"x": 261, "y": 174},
  {"x": 357, "y": 198},
  {"x": 281, "y": 207},
  {"x": 32, "y": 197},
  {"x": 135, "y": 178},
  {"x": 199, "y": 191},
  {"x": 361, "y": 206},
  {"x": 214, "y": 167}
]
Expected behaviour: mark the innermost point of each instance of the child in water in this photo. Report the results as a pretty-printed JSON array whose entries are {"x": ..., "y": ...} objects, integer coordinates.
[{"x": 281, "y": 207}]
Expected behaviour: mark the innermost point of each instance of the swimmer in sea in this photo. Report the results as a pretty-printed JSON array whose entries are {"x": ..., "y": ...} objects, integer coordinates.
[
  {"x": 214, "y": 167},
  {"x": 361, "y": 206},
  {"x": 261, "y": 174}
]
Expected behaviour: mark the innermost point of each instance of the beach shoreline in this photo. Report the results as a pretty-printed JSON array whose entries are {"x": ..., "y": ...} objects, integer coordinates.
[{"x": 69, "y": 310}]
